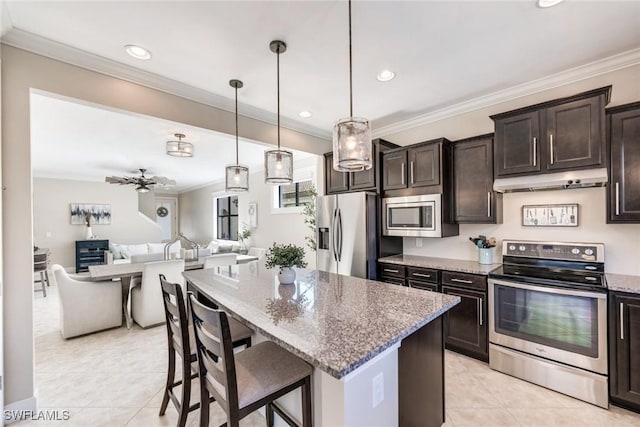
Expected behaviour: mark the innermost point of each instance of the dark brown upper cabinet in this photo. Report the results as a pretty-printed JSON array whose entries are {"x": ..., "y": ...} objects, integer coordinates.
[
  {"x": 394, "y": 170},
  {"x": 424, "y": 165},
  {"x": 555, "y": 136},
  {"x": 367, "y": 180},
  {"x": 623, "y": 189},
  {"x": 476, "y": 202}
]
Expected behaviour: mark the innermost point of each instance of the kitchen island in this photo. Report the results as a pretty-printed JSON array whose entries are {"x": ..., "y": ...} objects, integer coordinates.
[{"x": 377, "y": 348}]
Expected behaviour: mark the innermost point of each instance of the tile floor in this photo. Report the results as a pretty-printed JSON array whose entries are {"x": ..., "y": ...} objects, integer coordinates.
[{"x": 115, "y": 378}]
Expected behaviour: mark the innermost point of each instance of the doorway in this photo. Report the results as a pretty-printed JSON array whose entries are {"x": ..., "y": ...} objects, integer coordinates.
[{"x": 167, "y": 217}]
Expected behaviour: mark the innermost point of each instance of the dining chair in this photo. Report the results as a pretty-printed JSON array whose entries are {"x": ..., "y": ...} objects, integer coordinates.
[
  {"x": 181, "y": 341},
  {"x": 147, "y": 308},
  {"x": 40, "y": 265},
  {"x": 244, "y": 382},
  {"x": 219, "y": 260}
]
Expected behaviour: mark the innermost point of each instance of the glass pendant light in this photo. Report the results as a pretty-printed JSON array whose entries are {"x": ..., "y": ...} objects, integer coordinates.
[
  {"x": 236, "y": 176},
  {"x": 179, "y": 148},
  {"x": 278, "y": 164},
  {"x": 351, "y": 135}
]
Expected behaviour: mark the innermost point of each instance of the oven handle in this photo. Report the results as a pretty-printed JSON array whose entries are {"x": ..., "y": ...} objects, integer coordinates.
[{"x": 549, "y": 290}]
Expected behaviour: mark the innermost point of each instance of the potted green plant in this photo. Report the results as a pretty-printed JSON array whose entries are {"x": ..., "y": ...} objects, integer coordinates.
[
  {"x": 285, "y": 256},
  {"x": 243, "y": 237}
]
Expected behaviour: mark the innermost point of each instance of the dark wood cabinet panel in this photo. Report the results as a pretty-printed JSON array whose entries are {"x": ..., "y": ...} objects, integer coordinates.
[
  {"x": 623, "y": 190},
  {"x": 476, "y": 202},
  {"x": 433, "y": 287},
  {"x": 90, "y": 252},
  {"x": 517, "y": 144},
  {"x": 624, "y": 342},
  {"x": 424, "y": 165},
  {"x": 575, "y": 134},
  {"x": 392, "y": 280},
  {"x": 393, "y": 270},
  {"x": 366, "y": 180},
  {"x": 394, "y": 170},
  {"x": 465, "y": 324},
  {"x": 335, "y": 182},
  {"x": 423, "y": 274}
]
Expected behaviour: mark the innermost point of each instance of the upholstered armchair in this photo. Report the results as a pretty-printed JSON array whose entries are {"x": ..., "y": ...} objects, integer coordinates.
[
  {"x": 87, "y": 306},
  {"x": 147, "y": 308}
]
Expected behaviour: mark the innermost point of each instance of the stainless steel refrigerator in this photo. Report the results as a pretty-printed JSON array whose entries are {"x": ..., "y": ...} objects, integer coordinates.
[{"x": 348, "y": 240}]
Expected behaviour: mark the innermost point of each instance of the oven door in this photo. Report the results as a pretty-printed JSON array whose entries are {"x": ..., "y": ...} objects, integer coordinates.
[
  {"x": 564, "y": 325},
  {"x": 413, "y": 216}
]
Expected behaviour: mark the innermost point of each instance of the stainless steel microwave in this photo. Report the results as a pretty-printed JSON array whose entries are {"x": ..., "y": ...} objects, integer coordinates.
[{"x": 412, "y": 216}]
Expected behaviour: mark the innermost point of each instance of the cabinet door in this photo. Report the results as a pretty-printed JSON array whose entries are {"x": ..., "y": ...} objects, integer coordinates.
[
  {"x": 624, "y": 187},
  {"x": 394, "y": 170},
  {"x": 517, "y": 144},
  {"x": 625, "y": 377},
  {"x": 574, "y": 135},
  {"x": 365, "y": 180},
  {"x": 473, "y": 166},
  {"x": 424, "y": 165},
  {"x": 335, "y": 182},
  {"x": 392, "y": 280},
  {"x": 433, "y": 287},
  {"x": 465, "y": 324}
]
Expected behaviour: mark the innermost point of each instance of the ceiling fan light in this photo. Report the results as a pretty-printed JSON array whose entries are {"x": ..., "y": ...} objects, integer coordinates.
[
  {"x": 179, "y": 148},
  {"x": 352, "y": 145},
  {"x": 236, "y": 178},
  {"x": 278, "y": 165},
  {"x": 142, "y": 189}
]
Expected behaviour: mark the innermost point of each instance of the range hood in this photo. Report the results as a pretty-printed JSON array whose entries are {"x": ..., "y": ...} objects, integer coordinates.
[{"x": 553, "y": 181}]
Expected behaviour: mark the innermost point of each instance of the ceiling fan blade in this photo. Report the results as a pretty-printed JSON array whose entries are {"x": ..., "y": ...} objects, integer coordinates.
[{"x": 163, "y": 180}]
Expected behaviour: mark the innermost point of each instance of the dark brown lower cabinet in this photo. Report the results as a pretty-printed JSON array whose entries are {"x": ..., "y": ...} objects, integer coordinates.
[
  {"x": 624, "y": 350},
  {"x": 465, "y": 325}
]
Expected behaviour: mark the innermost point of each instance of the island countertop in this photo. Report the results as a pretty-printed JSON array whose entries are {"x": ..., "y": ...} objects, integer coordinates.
[
  {"x": 336, "y": 323},
  {"x": 463, "y": 266}
]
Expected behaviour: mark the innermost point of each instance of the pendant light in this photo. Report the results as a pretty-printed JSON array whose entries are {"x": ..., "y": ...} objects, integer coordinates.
[
  {"x": 179, "y": 148},
  {"x": 351, "y": 135},
  {"x": 236, "y": 176},
  {"x": 278, "y": 164}
]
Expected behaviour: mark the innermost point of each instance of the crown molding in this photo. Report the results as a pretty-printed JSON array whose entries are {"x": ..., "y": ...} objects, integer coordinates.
[
  {"x": 596, "y": 68},
  {"x": 62, "y": 52}
]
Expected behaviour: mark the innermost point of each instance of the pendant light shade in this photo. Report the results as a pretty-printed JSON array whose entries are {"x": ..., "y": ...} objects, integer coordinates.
[
  {"x": 236, "y": 176},
  {"x": 278, "y": 164},
  {"x": 179, "y": 148},
  {"x": 351, "y": 135}
]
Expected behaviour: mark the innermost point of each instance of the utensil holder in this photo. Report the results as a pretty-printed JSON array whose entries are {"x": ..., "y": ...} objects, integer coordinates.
[{"x": 485, "y": 256}]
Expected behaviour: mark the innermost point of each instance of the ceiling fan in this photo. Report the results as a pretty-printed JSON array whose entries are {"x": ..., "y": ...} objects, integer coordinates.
[{"x": 141, "y": 182}]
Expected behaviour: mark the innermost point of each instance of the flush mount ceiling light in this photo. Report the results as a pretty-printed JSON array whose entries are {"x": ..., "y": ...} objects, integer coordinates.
[
  {"x": 278, "y": 164},
  {"x": 305, "y": 114},
  {"x": 385, "y": 75},
  {"x": 137, "y": 52},
  {"x": 236, "y": 176},
  {"x": 179, "y": 148},
  {"x": 547, "y": 3},
  {"x": 351, "y": 135}
]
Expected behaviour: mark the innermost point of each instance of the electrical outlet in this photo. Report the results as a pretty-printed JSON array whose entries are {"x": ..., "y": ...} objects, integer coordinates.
[
  {"x": 418, "y": 242},
  {"x": 48, "y": 234},
  {"x": 377, "y": 386}
]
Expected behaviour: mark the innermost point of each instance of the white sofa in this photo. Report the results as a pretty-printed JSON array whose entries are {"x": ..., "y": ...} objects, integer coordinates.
[
  {"x": 87, "y": 306},
  {"x": 140, "y": 252},
  {"x": 147, "y": 307}
]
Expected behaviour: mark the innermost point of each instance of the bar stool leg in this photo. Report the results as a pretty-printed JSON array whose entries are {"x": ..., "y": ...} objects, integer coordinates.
[
  {"x": 269, "y": 414},
  {"x": 46, "y": 276},
  {"x": 204, "y": 405},
  {"x": 43, "y": 284},
  {"x": 186, "y": 395},
  {"x": 171, "y": 375},
  {"x": 306, "y": 403}
]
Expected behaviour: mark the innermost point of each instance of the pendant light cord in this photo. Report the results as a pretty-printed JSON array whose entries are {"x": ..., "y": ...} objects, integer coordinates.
[
  {"x": 237, "y": 159},
  {"x": 350, "y": 68},
  {"x": 278, "y": 88}
]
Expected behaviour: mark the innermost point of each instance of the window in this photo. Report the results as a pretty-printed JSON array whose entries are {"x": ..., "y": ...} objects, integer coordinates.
[
  {"x": 295, "y": 194},
  {"x": 227, "y": 218}
]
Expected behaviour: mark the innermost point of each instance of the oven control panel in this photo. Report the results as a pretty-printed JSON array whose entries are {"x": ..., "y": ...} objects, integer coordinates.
[{"x": 588, "y": 252}]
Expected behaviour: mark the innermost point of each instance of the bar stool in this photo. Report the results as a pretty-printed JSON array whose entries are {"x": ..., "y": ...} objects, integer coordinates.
[
  {"x": 40, "y": 265},
  {"x": 244, "y": 382},
  {"x": 180, "y": 336}
]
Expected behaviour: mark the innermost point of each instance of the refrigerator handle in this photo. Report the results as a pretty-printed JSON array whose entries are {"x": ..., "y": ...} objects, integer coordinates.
[
  {"x": 339, "y": 235},
  {"x": 334, "y": 235}
]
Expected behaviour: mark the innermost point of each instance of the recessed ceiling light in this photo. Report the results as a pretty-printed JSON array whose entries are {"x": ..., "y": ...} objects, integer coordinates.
[
  {"x": 548, "y": 3},
  {"x": 305, "y": 114},
  {"x": 385, "y": 75},
  {"x": 137, "y": 52}
]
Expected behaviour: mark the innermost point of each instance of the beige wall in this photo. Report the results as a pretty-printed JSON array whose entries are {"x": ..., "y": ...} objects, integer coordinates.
[
  {"x": 51, "y": 199},
  {"x": 196, "y": 212},
  {"x": 22, "y": 72}
]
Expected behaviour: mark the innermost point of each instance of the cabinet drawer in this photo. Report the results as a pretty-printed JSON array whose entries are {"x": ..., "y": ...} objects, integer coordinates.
[
  {"x": 392, "y": 270},
  {"x": 392, "y": 280},
  {"x": 93, "y": 244},
  {"x": 464, "y": 280},
  {"x": 422, "y": 274},
  {"x": 433, "y": 287}
]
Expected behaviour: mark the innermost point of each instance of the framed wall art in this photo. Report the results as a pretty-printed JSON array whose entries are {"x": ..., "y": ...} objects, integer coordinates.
[
  {"x": 252, "y": 213},
  {"x": 564, "y": 215},
  {"x": 95, "y": 213}
]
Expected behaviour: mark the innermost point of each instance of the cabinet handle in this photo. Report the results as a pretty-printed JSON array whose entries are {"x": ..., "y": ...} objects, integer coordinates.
[
  {"x": 535, "y": 151},
  {"x": 402, "y": 173},
  {"x": 551, "y": 146},
  {"x": 422, "y": 275},
  {"x": 489, "y": 204},
  {"x": 621, "y": 321},
  {"x": 411, "y": 170},
  {"x": 388, "y": 270},
  {"x": 461, "y": 280},
  {"x": 480, "y": 320},
  {"x": 617, "y": 198}
]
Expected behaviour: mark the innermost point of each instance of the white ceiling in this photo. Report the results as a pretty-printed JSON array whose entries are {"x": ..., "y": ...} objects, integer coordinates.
[
  {"x": 71, "y": 140},
  {"x": 443, "y": 52}
]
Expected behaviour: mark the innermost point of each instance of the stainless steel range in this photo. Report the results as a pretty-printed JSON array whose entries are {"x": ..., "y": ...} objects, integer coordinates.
[{"x": 548, "y": 317}]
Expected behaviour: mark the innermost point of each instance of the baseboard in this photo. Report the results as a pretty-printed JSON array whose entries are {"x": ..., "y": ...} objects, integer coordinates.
[{"x": 26, "y": 405}]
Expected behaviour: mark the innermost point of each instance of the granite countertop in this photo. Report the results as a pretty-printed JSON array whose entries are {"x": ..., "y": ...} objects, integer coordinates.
[
  {"x": 623, "y": 283},
  {"x": 335, "y": 322},
  {"x": 463, "y": 266}
]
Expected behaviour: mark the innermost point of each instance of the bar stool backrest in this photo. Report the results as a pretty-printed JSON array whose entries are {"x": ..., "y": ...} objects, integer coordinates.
[{"x": 176, "y": 317}]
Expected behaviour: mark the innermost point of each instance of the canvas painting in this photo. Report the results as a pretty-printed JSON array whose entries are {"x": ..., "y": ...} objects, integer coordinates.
[{"x": 97, "y": 214}]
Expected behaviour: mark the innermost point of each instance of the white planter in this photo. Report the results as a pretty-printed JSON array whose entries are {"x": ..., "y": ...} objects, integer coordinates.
[
  {"x": 287, "y": 275},
  {"x": 89, "y": 234},
  {"x": 485, "y": 256}
]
